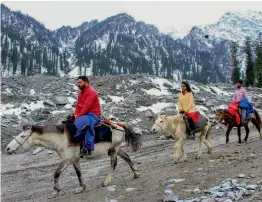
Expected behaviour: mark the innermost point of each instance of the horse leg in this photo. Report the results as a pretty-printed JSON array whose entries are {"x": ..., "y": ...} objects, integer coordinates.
[
  {"x": 239, "y": 134},
  {"x": 227, "y": 133},
  {"x": 184, "y": 156},
  {"x": 63, "y": 165},
  {"x": 113, "y": 154},
  {"x": 247, "y": 132},
  {"x": 207, "y": 142},
  {"x": 79, "y": 175},
  {"x": 127, "y": 159},
  {"x": 176, "y": 146},
  {"x": 254, "y": 121},
  {"x": 201, "y": 137}
]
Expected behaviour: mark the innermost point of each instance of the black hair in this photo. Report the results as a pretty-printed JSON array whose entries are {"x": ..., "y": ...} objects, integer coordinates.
[
  {"x": 84, "y": 78},
  {"x": 188, "y": 88},
  {"x": 240, "y": 81}
]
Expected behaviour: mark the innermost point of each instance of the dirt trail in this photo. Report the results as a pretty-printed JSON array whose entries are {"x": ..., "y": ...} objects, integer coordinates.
[{"x": 27, "y": 177}]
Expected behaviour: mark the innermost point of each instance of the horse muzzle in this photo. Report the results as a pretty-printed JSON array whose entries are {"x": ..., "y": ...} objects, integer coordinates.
[
  {"x": 10, "y": 151},
  {"x": 153, "y": 131}
]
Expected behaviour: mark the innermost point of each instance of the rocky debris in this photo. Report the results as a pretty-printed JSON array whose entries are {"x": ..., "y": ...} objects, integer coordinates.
[
  {"x": 111, "y": 188},
  {"x": 228, "y": 190},
  {"x": 149, "y": 114},
  {"x": 50, "y": 103},
  {"x": 39, "y": 149},
  {"x": 136, "y": 99},
  {"x": 130, "y": 189},
  {"x": 61, "y": 100},
  {"x": 241, "y": 176}
]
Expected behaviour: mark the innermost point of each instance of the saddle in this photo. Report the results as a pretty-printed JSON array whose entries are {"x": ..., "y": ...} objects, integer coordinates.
[{"x": 103, "y": 131}]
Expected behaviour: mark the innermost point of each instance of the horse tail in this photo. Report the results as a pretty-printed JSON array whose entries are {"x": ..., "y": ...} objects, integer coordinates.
[
  {"x": 258, "y": 118},
  {"x": 132, "y": 138}
]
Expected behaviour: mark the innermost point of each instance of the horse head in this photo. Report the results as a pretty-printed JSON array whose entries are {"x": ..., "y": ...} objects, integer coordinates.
[
  {"x": 23, "y": 139},
  {"x": 159, "y": 124},
  {"x": 219, "y": 116}
]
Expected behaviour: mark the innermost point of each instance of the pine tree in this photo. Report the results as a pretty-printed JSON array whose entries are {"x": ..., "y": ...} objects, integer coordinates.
[
  {"x": 15, "y": 59},
  {"x": 258, "y": 64},
  {"x": 23, "y": 64},
  {"x": 4, "y": 53},
  {"x": 235, "y": 76},
  {"x": 250, "y": 76}
]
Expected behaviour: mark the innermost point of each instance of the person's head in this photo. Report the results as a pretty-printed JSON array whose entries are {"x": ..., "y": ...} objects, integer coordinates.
[
  {"x": 239, "y": 83},
  {"x": 185, "y": 87},
  {"x": 82, "y": 82}
]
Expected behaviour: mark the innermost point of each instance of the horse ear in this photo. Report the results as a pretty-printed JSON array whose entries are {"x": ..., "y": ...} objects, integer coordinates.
[{"x": 163, "y": 116}]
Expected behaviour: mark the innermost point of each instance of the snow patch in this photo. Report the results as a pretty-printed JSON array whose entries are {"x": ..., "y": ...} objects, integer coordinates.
[
  {"x": 156, "y": 108},
  {"x": 8, "y": 91},
  {"x": 8, "y": 109},
  {"x": 101, "y": 101},
  {"x": 32, "y": 92},
  {"x": 58, "y": 111},
  {"x": 219, "y": 91},
  {"x": 71, "y": 100}
]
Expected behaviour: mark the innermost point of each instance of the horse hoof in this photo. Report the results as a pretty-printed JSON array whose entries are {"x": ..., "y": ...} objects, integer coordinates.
[
  {"x": 175, "y": 162},
  {"x": 136, "y": 175},
  {"x": 197, "y": 157},
  {"x": 104, "y": 184},
  {"x": 84, "y": 187},
  {"x": 79, "y": 190},
  {"x": 183, "y": 160},
  {"x": 209, "y": 151}
]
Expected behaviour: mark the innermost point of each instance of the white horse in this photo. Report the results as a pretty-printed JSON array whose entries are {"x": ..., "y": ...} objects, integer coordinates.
[
  {"x": 54, "y": 137},
  {"x": 175, "y": 126}
]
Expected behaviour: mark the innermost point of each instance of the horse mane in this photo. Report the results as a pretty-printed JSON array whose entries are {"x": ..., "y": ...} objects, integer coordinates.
[
  {"x": 171, "y": 120},
  {"x": 48, "y": 128}
]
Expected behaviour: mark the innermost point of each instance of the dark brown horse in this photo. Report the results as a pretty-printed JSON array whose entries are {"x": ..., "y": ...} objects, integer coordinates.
[{"x": 223, "y": 116}]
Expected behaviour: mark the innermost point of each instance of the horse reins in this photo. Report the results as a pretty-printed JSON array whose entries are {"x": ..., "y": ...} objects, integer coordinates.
[{"x": 19, "y": 143}]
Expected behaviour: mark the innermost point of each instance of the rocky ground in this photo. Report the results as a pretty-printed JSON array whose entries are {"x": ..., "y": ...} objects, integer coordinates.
[{"x": 136, "y": 99}]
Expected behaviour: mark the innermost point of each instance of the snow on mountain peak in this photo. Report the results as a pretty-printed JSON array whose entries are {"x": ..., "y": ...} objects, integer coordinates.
[{"x": 236, "y": 26}]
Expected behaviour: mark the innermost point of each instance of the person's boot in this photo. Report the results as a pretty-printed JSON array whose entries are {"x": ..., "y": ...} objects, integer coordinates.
[
  {"x": 244, "y": 122},
  {"x": 83, "y": 151},
  {"x": 191, "y": 134}
]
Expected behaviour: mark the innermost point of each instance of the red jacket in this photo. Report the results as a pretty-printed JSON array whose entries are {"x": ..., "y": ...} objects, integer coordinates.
[{"x": 87, "y": 101}]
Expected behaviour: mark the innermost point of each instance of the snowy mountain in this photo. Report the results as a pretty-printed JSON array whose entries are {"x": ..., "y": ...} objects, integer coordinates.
[
  {"x": 236, "y": 26},
  {"x": 216, "y": 38},
  {"x": 116, "y": 45}
]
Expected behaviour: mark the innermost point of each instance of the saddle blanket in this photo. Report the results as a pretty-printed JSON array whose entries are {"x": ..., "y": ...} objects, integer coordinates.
[{"x": 103, "y": 132}]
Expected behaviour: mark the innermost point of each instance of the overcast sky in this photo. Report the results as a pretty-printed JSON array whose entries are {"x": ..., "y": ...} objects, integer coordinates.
[{"x": 180, "y": 16}]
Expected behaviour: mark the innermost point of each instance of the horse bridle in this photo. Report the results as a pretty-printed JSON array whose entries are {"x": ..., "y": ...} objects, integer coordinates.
[
  {"x": 222, "y": 115},
  {"x": 19, "y": 143},
  {"x": 159, "y": 126}
]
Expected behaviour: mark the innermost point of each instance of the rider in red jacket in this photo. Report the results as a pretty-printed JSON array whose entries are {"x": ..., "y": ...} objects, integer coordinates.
[
  {"x": 87, "y": 113},
  {"x": 88, "y": 101}
]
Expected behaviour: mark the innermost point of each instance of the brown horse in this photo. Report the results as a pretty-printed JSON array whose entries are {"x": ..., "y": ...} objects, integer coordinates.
[{"x": 223, "y": 116}]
